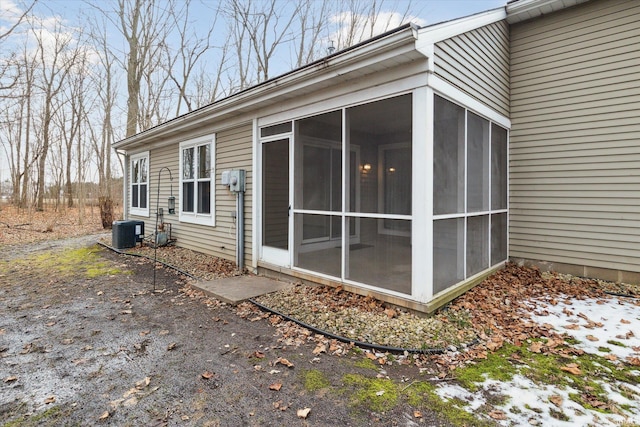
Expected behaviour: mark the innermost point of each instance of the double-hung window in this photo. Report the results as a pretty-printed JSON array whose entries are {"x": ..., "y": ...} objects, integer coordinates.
[
  {"x": 140, "y": 184},
  {"x": 197, "y": 177}
]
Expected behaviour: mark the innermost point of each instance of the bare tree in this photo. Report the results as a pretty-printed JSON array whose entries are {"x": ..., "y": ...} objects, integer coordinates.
[
  {"x": 55, "y": 61},
  {"x": 144, "y": 26},
  {"x": 267, "y": 25},
  {"x": 16, "y": 18},
  {"x": 312, "y": 23},
  {"x": 190, "y": 50}
]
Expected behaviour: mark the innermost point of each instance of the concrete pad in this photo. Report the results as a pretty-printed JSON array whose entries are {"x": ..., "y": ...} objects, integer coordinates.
[{"x": 234, "y": 290}]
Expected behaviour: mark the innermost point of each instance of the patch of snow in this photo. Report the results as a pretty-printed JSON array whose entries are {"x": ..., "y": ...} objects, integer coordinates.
[{"x": 613, "y": 319}]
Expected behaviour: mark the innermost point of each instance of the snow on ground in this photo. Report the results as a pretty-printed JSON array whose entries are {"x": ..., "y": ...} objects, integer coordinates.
[
  {"x": 598, "y": 325},
  {"x": 594, "y": 322}
]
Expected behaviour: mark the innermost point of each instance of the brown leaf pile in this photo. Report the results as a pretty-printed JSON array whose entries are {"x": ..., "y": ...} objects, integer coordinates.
[
  {"x": 202, "y": 266},
  {"x": 502, "y": 304},
  {"x": 18, "y": 226}
]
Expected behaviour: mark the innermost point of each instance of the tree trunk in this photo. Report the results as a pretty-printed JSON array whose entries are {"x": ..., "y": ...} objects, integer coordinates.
[{"x": 106, "y": 211}]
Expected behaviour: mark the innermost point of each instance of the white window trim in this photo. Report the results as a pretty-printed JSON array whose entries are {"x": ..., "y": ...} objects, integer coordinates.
[
  {"x": 194, "y": 217},
  {"x": 136, "y": 210}
]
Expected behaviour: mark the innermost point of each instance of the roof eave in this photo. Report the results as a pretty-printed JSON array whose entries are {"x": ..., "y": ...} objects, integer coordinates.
[
  {"x": 523, "y": 10},
  {"x": 445, "y": 30}
]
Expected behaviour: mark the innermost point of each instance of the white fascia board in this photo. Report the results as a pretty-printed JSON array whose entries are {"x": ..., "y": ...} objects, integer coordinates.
[
  {"x": 523, "y": 10},
  {"x": 445, "y": 30},
  {"x": 314, "y": 74}
]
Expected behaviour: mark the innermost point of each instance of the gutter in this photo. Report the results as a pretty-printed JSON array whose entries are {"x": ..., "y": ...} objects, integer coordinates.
[{"x": 523, "y": 10}]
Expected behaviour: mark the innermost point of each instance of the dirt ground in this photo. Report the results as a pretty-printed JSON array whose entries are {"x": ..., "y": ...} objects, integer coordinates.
[{"x": 94, "y": 344}]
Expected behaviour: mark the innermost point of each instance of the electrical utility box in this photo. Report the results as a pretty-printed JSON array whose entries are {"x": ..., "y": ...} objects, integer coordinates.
[{"x": 237, "y": 179}]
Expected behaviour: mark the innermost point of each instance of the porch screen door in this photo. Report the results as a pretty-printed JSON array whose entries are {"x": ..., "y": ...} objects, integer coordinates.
[{"x": 275, "y": 202}]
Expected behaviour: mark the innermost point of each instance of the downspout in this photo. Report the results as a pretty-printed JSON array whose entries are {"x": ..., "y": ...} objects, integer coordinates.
[{"x": 240, "y": 230}]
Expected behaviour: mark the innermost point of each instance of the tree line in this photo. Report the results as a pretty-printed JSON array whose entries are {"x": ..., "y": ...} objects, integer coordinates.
[{"x": 68, "y": 90}]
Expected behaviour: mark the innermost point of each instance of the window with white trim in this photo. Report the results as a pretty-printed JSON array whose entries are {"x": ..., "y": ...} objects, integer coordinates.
[
  {"x": 140, "y": 184},
  {"x": 197, "y": 180}
]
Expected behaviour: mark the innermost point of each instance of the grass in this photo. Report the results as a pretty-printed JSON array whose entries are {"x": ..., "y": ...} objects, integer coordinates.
[
  {"x": 375, "y": 394},
  {"x": 586, "y": 388},
  {"x": 51, "y": 417},
  {"x": 315, "y": 380},
  {"x": 85, "y": 261}
]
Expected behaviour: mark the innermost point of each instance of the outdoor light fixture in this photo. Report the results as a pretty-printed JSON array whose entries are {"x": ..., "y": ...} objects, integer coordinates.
[{"x": 366, "y": 167}]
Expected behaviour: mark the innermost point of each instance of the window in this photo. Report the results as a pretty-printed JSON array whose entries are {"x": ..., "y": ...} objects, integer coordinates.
[
  {"x": 469, "y": 194},
  {"x": 140, "y": 184},
  {"x": 196, "y": 180}
]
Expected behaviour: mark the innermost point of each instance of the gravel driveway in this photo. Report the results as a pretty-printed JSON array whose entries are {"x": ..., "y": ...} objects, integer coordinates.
[{"x": 85, "y": 340}]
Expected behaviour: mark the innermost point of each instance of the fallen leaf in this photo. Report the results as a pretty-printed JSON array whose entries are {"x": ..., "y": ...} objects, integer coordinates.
[
  {"x": 391, "y": 313},
  {"x": 635, "y": 361},
  {"x": 572, "y": 326},
  {"x": 370, "y": 356},
  {"x": 171, "y": 346},
  {"x": 275, "y": 386},
  {"x": 10, "y": 379},
  {"x": 303, "y": 413},
  {"x": 498, "y": 415},
  {"x": 611, "y": 357},
  {"x": 417, "y": 414},
  {"x": 592, "y": 338},
  {"x": 320, "y": 348},
  {"x": 257, "y": 354},
  {"x": 143, "y": 333},
  {"x": 626, "y": 322},
  {"x": 572, "y": 368},
  {"x": 556, "y": 400},
  {"x": 284, "y": 362},
  {"x": 50, "y": 399},
  {"x": 535, "y": 347},
  {"x": 207, "y": 375},
  {"x": 104, "y": 415},
  {"x": 143, "y": 383}
]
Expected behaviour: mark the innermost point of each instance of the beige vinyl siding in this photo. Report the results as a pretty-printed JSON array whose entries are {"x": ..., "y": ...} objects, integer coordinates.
[
  {"x": 233, "y": 151},
  {"x": 575, "y": 137},
  {"x": 477, "y": 62}
]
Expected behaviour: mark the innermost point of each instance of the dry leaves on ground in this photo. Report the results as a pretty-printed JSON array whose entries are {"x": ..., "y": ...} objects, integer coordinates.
[{"x": 19, "y": 226}]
